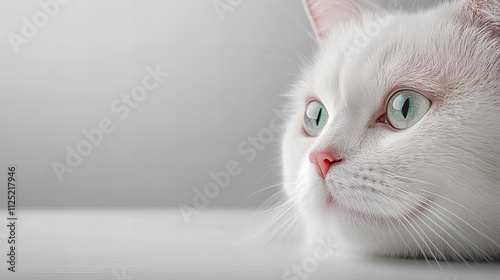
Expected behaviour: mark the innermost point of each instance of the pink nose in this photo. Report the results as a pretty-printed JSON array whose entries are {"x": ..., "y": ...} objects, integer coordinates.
[{"x": 323, "y": 161}]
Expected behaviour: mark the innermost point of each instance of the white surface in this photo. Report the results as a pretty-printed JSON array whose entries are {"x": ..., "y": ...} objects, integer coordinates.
[{"x": 157, "y": 244}]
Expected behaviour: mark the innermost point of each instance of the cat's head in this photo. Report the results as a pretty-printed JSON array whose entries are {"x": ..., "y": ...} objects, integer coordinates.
[{"x": 393, "y": 143}]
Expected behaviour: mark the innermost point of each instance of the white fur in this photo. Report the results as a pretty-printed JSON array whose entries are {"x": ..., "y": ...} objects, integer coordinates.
[{"x": 450, "y": 157}]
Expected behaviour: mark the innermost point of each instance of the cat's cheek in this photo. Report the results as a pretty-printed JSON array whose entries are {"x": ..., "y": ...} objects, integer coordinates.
[{"x": 295, "y": 147}]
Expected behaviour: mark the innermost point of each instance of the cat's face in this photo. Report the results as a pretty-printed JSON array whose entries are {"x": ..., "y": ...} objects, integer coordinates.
[{"x": 393, "y": 145}]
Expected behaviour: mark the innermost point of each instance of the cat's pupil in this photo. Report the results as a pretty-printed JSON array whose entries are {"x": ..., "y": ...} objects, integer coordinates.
[
  {"x": 406, "y": 108},
  {"x": 318, "y": 118}
]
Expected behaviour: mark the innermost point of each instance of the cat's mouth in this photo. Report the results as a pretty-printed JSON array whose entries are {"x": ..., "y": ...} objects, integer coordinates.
[{"x": 381, "y": 214}]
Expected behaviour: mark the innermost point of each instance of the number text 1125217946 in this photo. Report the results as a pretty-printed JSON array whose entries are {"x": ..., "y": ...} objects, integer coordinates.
[{"x": 11, "y": 218}]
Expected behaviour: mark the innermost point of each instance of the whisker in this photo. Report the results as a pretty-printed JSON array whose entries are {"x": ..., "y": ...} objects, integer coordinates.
[
  {"x": 265, "y": 189},
  {"x": 465, "y": 222},
  {"x": 432, "y": 193},
  {"x": 285, "y": 59},
  {"x": 453, "y": 227},
  {"x": 433, "y": 211},
  {"x": 275, "y": 222},
  {"x": 303, "y": 58},
  {"x": 413, "y": 5},
  {"x": 312, "y": 36},
  {"x": 280, "y": 222},
  {"x": 405, "y": 216},
  {"x": 409, "y": 232},
  {"x": 438, "y": 235},
  {"x": 276, "y": 200},
  {"x": 395, "y": 228}
]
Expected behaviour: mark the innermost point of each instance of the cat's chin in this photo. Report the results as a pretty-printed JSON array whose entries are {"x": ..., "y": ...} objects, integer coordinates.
[{"x": 347, "y": 213}]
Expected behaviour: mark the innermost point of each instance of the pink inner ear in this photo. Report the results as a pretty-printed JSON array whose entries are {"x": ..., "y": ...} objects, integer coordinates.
[{"x": 326, "y": 14}]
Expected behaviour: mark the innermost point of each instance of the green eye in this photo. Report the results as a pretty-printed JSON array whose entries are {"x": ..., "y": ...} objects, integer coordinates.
[
  {"x": 315, "y": 118},
  {"x": 406, "y": 108}
]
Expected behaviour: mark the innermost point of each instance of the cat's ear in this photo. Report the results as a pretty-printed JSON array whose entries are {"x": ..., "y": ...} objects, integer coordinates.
[
  {"x": 482, "y": 13},
  {"x": 326, "y": 14}
]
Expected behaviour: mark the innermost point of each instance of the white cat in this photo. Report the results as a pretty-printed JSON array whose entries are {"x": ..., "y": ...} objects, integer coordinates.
[{"x": 393, "y": 143}]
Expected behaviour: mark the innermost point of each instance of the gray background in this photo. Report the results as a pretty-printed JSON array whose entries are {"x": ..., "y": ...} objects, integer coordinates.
[{"x": 226, "y": 75}]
